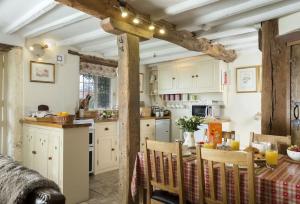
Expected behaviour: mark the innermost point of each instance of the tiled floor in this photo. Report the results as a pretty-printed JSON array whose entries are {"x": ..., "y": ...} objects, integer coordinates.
[{"x": 104, "y": 188}]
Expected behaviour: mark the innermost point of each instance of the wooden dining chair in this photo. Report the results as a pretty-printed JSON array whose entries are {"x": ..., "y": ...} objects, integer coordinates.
[
  {"x": 283, "y": 142},
  {"x": 207, "y": 158},
  {"x": 160, "y": 155}
]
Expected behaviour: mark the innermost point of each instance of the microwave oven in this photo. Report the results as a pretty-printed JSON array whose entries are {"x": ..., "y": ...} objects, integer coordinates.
[{"x": 200, "y": 110}]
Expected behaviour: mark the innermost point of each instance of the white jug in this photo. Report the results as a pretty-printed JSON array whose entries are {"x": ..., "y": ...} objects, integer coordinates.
[{"x": 189, "y": 139}]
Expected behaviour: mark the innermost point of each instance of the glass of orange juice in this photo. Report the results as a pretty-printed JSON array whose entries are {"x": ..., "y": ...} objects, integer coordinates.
[
  {"x": 271, "y": 155},
  {"x": 235, "y": 145}
]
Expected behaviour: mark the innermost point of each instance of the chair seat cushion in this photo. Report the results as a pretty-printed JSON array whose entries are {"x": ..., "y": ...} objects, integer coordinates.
[{"x": 165, "y": 197}]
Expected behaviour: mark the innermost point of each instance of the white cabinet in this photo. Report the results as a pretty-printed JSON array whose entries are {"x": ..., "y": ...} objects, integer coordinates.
[
  {"x": 106, "y": 147},
  {"x": 61, "y": 155},
  {"x": 147, "y": 130},
  {"x": 190, "y": 76},
  {"x": 167, "y": 79}
]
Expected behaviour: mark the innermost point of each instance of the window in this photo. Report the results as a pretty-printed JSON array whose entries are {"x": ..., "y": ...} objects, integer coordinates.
[{"x": 98, "y": 87}]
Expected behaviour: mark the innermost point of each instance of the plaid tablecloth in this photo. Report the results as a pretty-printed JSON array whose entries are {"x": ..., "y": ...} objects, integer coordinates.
[{"x": 281, "y": 185}]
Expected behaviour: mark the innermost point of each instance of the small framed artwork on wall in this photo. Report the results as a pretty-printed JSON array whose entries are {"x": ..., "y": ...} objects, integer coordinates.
[
  {"x": 42, "y": 72},
  {"x": 248, "y": 79}
]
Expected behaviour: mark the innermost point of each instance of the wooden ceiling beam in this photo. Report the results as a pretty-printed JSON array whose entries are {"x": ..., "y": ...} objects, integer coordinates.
[
  {"x": 110, "y": 8},
  {"x": 94, "y": 60},
  {"x": 5, "y": 47}
]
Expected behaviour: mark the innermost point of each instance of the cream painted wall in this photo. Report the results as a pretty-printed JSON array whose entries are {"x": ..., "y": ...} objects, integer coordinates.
[
  {"x": 63, "y": 95},
  {"x": 242, "y": 107}
]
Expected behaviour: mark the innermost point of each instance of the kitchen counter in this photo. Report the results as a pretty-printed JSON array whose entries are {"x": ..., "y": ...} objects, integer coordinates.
[
  {"x": 142, "y": 118},
  {"x": 156, "y": 118},
  {"x": 55, "y": 125}
]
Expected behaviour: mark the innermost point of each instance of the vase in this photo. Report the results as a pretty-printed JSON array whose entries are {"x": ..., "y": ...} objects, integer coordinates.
[{"x": 189, "y": 139}]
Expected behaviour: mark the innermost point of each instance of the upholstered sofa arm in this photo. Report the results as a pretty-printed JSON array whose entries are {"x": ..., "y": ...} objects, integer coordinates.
[{"x": 45, "y": 196}]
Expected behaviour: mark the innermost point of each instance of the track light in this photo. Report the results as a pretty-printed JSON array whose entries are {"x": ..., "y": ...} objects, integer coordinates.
[
  {"x": 162, "y": 31},
  {"x": 136, "y": 20},
  {"x": 124, "y": 12},
  {"x": 151, "y": 27}
]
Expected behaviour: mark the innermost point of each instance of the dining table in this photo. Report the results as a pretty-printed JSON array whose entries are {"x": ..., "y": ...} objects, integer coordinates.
[{"x": 280, "y": 185}]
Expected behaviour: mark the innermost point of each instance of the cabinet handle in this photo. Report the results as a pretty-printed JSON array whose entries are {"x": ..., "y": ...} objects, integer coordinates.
[
  {"x": 106, "y": 129},
  {"x": 112, "y": 149},
  {"x": 197, "y": 75},
  {"x": 173, "y": 78},
  {"x": 33, "y": 152},
  {"x": 147, "y": 125},
  {"x": 98, "y": 141},
  {"x": 50, "y": 158},
  {"x": 193, "y": 76}
]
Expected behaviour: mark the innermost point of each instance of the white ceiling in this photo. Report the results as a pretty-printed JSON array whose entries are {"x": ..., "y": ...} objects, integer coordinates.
[{"x": 233, "y": 23}]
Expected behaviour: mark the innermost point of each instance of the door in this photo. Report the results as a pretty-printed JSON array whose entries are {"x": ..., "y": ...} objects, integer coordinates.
[
  {"x": 167, "y": 80},
  {"x": 41, "y": 152},
  {"x": 295, "y": 93},
  {"x": 186, "y": 78},
  {"x": 27, "y": 147},
  {"x": 53, "y": 157},
  {"x": 162, "y": 132},
  {"x": 207, "y": 76},
  {"x": 106, "y": 152}
]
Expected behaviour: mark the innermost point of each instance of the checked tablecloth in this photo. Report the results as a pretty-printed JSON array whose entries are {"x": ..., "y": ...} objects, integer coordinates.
[{"x": 281, "y": 185}]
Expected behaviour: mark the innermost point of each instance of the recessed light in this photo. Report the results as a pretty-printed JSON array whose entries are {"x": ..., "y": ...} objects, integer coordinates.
[
  {"x": 31, "y": 48},
  {"x": 136, "y": 21},
  {"x": 162, "y": 31},
  {"x": 151, "y": 27}
]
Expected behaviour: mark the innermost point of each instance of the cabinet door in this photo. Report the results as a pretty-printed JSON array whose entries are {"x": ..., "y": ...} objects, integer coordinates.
[
  {"x": 41, "y": 148},
  {"x": 186, "y": 78},
  {"x": 107, "y": 153},
  {"x": 167, "y": 80},
  {"x": 53, "y": 157},
  {"x": 27, "y": 147},
  {"x": 208, "y": 77},
  {"x": 115, "y": 152}
]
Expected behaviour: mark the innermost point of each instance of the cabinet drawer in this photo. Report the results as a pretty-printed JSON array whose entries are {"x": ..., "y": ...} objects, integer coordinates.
[
  {"x": 106, "y": 129},
  {"x": 147, "y": 126}
]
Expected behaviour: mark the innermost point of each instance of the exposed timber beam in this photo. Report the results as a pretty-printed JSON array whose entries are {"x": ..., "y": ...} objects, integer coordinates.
[
  {"x": 5, "y": 47},
  {"x": 233, "y": 10},
  {"x": 183, "y": 7},
  {"x": 262, "y": 14},
  {"x": 92, "y": 35},
  {"x": 94, "y": 60},
  {"x": 110, "y": 8},
  {"x": 39, "y": 10},
  {"x": 62, "y": 22}
]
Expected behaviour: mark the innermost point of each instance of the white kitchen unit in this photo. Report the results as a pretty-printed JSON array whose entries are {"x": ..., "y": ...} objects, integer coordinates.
[
  {"x": 147, "y": 130},
  {"x": 60, "y": 154},
  {"x": 195, "y": 75},
  {"x": 106, "y": 146}
]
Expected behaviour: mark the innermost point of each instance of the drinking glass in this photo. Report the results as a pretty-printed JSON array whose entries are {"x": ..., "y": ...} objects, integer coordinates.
[
  {"x": 235, "y": 144},
  {"x": 271, "y": 155}
]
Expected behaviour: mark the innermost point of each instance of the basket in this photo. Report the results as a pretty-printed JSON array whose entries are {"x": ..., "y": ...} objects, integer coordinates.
[{"x": 63, "y": 119}]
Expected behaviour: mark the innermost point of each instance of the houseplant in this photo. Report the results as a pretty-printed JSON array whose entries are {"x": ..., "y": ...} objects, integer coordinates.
[{"x": 189, "y": 125}]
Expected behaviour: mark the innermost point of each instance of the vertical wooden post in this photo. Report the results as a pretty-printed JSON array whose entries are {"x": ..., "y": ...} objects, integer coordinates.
[
  {"x": 129, "y": 111},
  {"x": 275, "y": 98}
]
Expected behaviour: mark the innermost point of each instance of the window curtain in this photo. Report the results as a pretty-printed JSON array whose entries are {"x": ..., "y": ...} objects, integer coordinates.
[{"x": 98, "y": 70}]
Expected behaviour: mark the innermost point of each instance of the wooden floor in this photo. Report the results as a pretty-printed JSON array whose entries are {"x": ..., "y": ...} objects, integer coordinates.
[{"x": 104, "y": 188}]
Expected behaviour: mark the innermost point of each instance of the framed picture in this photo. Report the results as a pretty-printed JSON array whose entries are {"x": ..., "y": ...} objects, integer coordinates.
[
  {"x": 42, "y": 72},
  {"x": 141, "y": 83},
  {"x": 247, "y": 79}
]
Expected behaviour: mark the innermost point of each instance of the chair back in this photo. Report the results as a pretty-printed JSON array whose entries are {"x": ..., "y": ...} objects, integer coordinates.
[
  {"x": 210, "y": 157},
  {"x": 283, "y": 142},
  {"x": 159, "y": 158}
]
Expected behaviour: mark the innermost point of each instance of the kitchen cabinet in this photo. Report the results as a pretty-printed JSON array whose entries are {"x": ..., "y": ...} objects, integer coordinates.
[
  {"x": 106, "y": 147},
  {"x": 59, "y": 154},
  {"x": 167, "y": 79},
  {"x": 147, "y": 130},
  {"x": 190, "y": 76}
]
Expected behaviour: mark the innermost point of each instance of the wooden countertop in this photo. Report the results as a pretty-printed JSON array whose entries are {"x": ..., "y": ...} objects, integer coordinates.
[
  {"x": 153, "y": 117},
  {"x": 55, "y": 125}
]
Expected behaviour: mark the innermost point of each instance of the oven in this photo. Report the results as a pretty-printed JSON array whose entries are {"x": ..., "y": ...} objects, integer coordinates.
[{"x": 200, "y": 110}]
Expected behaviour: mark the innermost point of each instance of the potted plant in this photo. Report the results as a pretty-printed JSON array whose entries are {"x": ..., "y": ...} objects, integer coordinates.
[{"x": 189, "y": 125}]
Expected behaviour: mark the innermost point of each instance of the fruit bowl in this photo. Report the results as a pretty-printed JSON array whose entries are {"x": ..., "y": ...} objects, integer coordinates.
[{"x": 294, "y": 152}]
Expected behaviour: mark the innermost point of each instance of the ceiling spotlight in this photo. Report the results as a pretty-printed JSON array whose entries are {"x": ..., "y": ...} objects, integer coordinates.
[
  {"x": 151, "y": 27},
  {"x": 31, "y": 48},
  {"x": 136, "y": 21},
  {"x": 124, "y": 12},
  {"x": 162, "y": 31}
]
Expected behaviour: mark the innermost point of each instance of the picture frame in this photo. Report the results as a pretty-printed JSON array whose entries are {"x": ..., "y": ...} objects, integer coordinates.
[
  {"x": 42, "y": 72},
  {"x": 141, "y": 77},
  {"x": 248, "y": 79}
]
